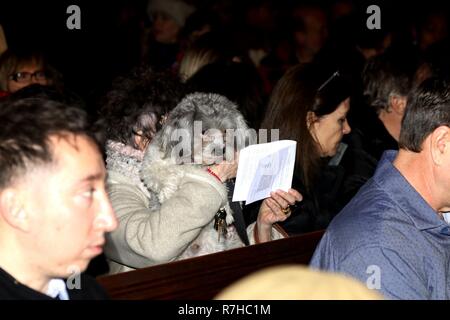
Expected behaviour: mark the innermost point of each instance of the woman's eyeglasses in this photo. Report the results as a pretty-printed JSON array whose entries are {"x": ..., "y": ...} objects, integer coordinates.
[{"x": 22, "y": 77}]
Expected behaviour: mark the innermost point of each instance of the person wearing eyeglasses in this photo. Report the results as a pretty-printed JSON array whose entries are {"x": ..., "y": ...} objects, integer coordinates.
[
  {"x": 20, "y": 69},
  {"x": 309, "y": 104}
]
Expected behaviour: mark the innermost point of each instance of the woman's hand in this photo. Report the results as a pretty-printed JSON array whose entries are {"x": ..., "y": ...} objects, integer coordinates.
[
  {"x": 271, "y": 211},
  {"x": 227, "y": 169}
]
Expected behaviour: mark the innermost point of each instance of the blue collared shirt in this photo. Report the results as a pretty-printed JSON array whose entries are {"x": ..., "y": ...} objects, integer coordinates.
[{"x": 389, "y": 238}]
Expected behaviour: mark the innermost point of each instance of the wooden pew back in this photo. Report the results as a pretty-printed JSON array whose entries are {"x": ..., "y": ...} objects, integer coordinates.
[{"x": 203, "y": 277}]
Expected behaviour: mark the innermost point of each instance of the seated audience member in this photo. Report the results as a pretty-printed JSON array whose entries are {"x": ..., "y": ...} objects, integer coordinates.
[
  {"x": 54, "y": 209},
  {"x": 301, "y": 42},
  {"x": 132, "y": 112},
  {"x": 196, "y": 57},
  {"x": 179, "y": 207},
  {"x": 310, "y": 31},
  {"x": 162, "y": 45},
  {"x": 309, "y": 105},
  {"x": 20, "y": 68},
  {"x": 294, "y": 282},
  {"x": 393, "y": 234},
  {"x": 387, "y": 81},
  {"x": 431, "y": 28},
  {"x": 209, "y": 48}
]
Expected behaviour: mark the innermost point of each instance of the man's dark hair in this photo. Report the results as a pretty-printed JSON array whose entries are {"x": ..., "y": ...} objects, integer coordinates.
[
  {"x": 135, "y": 97},
  {"x": 26, "y": 128},
  {"x": 428, "y": 108},
  {"x": 391, "y": 73}
]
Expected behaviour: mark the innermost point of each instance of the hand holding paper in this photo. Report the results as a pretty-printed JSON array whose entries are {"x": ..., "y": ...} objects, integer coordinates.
[{"x": 264, "y": 168}]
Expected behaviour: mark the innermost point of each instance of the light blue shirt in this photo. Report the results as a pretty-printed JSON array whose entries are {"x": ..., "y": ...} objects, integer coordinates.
[{"x": 389, "y": 238}]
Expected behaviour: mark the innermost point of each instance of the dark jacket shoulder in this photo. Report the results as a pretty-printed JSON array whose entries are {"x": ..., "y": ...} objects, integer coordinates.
[{"x": 83, "y": 287}]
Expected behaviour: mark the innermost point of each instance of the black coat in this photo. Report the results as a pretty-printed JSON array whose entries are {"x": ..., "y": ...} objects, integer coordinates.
[
  {"x": 317, "y": 208},
  {"x": 10, "y": 289},
  {"x": 366, "y": 144}
]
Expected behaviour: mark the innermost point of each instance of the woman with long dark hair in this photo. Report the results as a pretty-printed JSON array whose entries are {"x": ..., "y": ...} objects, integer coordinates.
[{"x": 309, "y": 105}]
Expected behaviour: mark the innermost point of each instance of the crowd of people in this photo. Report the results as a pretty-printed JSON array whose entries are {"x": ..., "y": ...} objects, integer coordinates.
[{"x": 132, "y": 172}]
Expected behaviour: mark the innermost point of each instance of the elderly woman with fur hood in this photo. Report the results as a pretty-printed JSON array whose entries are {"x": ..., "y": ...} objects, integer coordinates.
[{"x": 180, "y": 207}]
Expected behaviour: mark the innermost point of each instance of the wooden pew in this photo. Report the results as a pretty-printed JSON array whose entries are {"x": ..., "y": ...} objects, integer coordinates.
[{"x": 203, "y": 277}]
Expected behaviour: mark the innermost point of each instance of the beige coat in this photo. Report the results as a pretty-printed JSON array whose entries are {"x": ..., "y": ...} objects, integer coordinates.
[{"x": 169, "y": 218}]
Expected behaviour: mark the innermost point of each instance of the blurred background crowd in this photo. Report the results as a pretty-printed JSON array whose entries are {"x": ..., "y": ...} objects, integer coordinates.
[{"x": 266, "y": 35}]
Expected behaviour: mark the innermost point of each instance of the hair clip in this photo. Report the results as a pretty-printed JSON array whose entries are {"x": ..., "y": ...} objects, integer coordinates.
[{"x": 334, "y": 75}]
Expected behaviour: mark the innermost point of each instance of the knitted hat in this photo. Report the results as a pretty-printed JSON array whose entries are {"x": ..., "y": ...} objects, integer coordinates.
[{"x": 178, "y": 10}]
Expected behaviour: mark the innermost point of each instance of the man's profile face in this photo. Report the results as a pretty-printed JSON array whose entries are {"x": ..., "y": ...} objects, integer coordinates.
[{"x": 68, "y": 207}]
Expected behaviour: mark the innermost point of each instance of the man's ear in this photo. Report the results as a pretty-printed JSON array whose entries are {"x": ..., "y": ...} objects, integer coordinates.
[
  {"x": 398, "y": 104},
  {"x": 12, "y": 209},
  {"x": 440, "y": 144}
]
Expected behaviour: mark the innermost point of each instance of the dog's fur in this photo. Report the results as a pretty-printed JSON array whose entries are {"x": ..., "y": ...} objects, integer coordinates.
[{"x": 160, "y": 171}]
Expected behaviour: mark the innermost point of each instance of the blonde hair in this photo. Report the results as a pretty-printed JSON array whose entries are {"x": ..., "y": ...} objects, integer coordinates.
[
  {"x": 195, "y": 59},
  {"x": 295, "y": 282}
]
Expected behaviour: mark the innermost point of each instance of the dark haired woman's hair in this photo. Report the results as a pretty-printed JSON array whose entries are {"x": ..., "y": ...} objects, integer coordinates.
[
  {"x": 137, "y": 102},
  {"x": 303, "y": 89}
]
